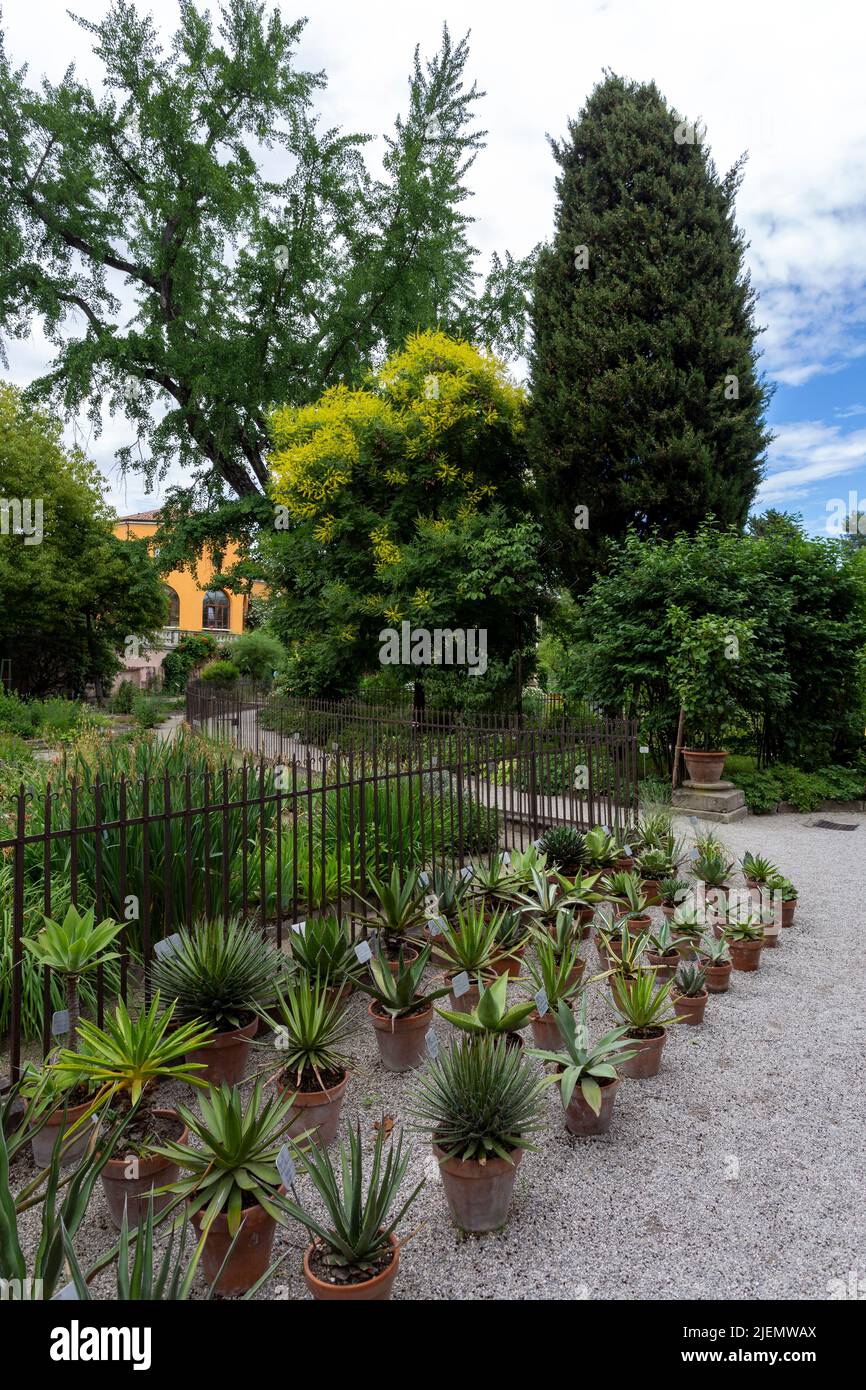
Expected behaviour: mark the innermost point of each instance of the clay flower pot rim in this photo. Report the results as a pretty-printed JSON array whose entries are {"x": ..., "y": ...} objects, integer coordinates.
[
  {"x": 696, "y": 998},
  {"x": 148, "y": 1164},
  {"x": 347, "y": 1289},
  {"x": 386, "y": 1020},
  {"x": 314, "y": 1097},
  {"x": 474, "y": 1165},
  {"x": 656, "y": 1030}
]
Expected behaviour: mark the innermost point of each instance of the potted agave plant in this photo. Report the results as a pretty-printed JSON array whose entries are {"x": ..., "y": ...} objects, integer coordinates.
[
  {"x": 511, "y": 942},
  {"x": 399, "y": 1010},
  {"x": 712, "y": 870},
  {"x": 325, "y": 951},
  {"x": 654, "y": 865},
  {"x": 123, "y": 1063},
  {"x": 355, "y": 1254},
  {"x": 311, "y": 1027},
  {"x": 481, "y": 1103},
  {"x": 626, "y": 891},
  {"x": 523, "y": 861},
  {"x": 565, "y": 935},
  {"x": 230, "y": 1179},
  {"x": 663, "y": 950},
  {"x": 469, "y": 947},
  {"x": 73, "y": 948},
  {"x": 223, "y": 976},
  {"x": 565, "y": 848},
  {"x": 586, "y": 1072},
  {"x": 398, "y": 911},
  {"x": 756, "y": 869},
  {"x": 689, "y": 992},
  {"x": 777, "y": 883},
  {"x": 555, "y": 978},
  {"x": 745, "y": 941},
  {"x": 447, "y": 891},
  {"x": 601, "y": 849},
  {"x": 672, "y": 893},
  {"x": 620, "y": 947},
  {"x": 645, "y": 1006},
  {"x": 716, "y": 962},
  {"x": 491, "y": 1014},
  {"x": 688, "y": 924}
]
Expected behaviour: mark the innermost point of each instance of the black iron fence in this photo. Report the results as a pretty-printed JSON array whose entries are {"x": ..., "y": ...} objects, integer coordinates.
[{"x": 297, "y": 831}]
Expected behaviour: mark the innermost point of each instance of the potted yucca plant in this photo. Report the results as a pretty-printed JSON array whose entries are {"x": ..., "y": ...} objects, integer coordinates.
[
  {"x": 355, "y": 1254},
  {"x": 586, "y": 1072},
  {"x": 645, "y": 1007},
  {"x": 310, "y": 1029},
  {"x": 398, "y": 911},
  {"x": 689, "y": 992},
  {"x": 225, "y": 976},
  {"x": 469, "y": 946},
  {"x": 72, "y": 948},
  {"x": 481, "y": 1104},
  {"x": 511, "y": 941},
  {"x": 124, "y": 1063},
  {"x": 325, "y": 951},
  {"x": 400, "y": 1011}
]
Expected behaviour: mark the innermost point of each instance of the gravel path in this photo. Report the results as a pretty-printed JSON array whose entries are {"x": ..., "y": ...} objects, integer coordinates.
[{"x": 735, "y": 1173}]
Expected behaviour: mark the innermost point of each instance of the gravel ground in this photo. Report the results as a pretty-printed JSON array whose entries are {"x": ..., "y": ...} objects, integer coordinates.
[{"x": 735, "y": 1173}]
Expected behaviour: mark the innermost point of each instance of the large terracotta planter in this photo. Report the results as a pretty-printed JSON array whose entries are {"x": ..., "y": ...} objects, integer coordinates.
[
  {"x": 252, "y": 1253},
  {"x": 648, "y": 1054},
  {"x": 718, "y": 977},
  {"x": 478, "y": 1194},
  {"x": 745, "y": 955},
  {"x": 318, "y": 1111},
  {"x": 545, "y": 1031},
  {"x": 582, "y": 1120},
  {"x": 42, "y": 1140},
  {"x": 402, "y": 1045},
  {"x": 704, "y": 767},
  {"x": 129, "y": 1181},
  {"x": 375, "y": 1290},
  {"x": 690, "y": 1008},
  {"x": 509, "y": 965},
  {"x": 225, "y": 1058},
  {"x": 665, "y": 966},
  {"x": 788, "y": 910}
]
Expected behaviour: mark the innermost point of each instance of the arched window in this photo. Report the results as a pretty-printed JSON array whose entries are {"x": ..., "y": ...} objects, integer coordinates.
[
  {"x": 173, "y": 606},
  {"x": 215, "y": 610}
]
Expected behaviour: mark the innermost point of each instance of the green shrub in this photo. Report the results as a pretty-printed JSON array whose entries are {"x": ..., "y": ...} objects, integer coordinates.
[
  {"x": 220, "y": 673},
  {"x": 257, "y": 655},
  {"x": 179, "y": 664},
  {"x": 123, "y": 698},
  {"x": 803, "y": 790},
  {"x": 147, "y": 712},
  {"x": 16, "y": 716}
]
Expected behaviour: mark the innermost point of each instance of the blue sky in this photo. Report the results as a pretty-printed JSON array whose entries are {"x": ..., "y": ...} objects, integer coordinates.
[{"x": 781, "y": 82}]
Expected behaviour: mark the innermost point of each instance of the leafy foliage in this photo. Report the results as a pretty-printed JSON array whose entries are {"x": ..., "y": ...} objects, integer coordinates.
[
  {"x": 479, "y": 1099},
  {"x": 581, "y": 1062},
  {"x": 219, "y": 973}
]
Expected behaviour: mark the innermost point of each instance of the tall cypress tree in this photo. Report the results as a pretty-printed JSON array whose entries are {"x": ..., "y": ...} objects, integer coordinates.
[{"x": 647, "y": 404}]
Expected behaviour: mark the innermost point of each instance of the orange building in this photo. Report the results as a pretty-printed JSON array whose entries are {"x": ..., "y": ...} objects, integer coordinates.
[{"x": 193, "y": 607}]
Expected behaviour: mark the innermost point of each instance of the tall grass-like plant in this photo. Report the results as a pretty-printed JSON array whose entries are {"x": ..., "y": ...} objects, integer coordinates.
[
  {"x": 220, "y": 974},
  {"x": 72, "y": 948},
  {"x": 479, "y": 1099}
]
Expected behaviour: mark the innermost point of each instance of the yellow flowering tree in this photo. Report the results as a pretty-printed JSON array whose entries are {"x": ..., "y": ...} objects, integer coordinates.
[{"x": 406, "y": 500}]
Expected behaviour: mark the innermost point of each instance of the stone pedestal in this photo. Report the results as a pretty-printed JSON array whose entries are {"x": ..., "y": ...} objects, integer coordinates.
[{"x": 714, "y": 801}]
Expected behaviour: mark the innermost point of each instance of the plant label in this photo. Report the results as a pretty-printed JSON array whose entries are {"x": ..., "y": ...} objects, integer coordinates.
[
  {"x": 460, "y": 984},
  {"x": 506, "y": 860},
  {"x": 60, "y": 1023},
  {"x": 693, "y": 852},
  {"x": 432, "y": 1042},
  {"x": 606, "y": 829},
  {"x": 644, "y": 747},
  {"x": 435, "y": 925},
  {"x": 465, "y": 873},
  {"x": 536, "y": 844},
  {"x": 541, "y": 1003},
  {"x": 626, "y": 849},
  {"x": 363, "y": 952},
  {"x": 300, "y": 927},
  {"x": 424, "y": 879},
  {"x": 68, "y": 1292},
  {"x": 286, "y": 1167},
  {"x": 167, "y": 947}
]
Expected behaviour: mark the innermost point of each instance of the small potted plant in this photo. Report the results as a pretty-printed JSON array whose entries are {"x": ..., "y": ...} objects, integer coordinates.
[
  {"x": 601, "y": 849},
  {"x": 230, "y": 1179},
  {"x": 688, "y": 924},
  {"x": 449, "y": 889},
  {"x": 565, "y": 848},
  {"x": 620, "y": 947},
  {"x": 224, "y": 976},
  {"x": 756, "y": 869},
  {"x": 564, "y": 935},
  {"x": 745, "y": 941},
  {"x": 645, "y": 1006},
  {"x": 654, "y": 865},
  {"x": 311, "y": 1027},
  {"x": 713, "y": 870},
  {"x": 586, "y": 1073},
  {"x": 495, "y": 881},
  {"x": 325, "y": 951},
  {"x": 471, "y": 947},
  {"x": 716, "y": 962},
  {"x": 124, "y": 1063},
  {"x": 523, "y": 862},
  {"x": 663, "y": 950},
  {"x": 626, "y": 892},
  {"x": 399, "y": 1010},
  {"x": 689, "y": 992},
  {"x": 511, "y": 941},
  {"x": 777, "y": 883},
  {"x": 558, "y": 976},
  {"x": 355, "y": 1254},
  {"x": 398, "y": 911},
  {"x": 549, "y": 896},
  {"x": 73, "y": 948},
  {"x": 491, "y": 1014},
  {"x": 481, "y": 1103},
  {"x": 672, "y": 893}
]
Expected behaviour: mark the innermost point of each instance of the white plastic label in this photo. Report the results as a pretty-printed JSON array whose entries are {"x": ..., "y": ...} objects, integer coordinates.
[
  {"x": 60, "y": 1023},
  {"x": 424, "y": 879},
  {"x": 166, "y": 947},
  {"x": 460, "y": 984},
  {"x": 300, "y": 927},
  {"x": 541, "y": 1003},
  {"x": 286, "y": 1167},
  {"x": 363, "y": 952},
  {"x": 432, "y": 1042}
]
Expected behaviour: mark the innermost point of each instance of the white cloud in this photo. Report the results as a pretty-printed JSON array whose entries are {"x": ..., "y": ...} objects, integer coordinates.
[{"x": 805, "y": 455}]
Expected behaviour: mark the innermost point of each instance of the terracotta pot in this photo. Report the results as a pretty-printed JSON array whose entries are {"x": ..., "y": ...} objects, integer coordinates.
[
  {"x": 465, "y": 1003},
  {"x": 409, "y": 954},
  {"x": 252, "y": 1253},
  {"x": 648, "y": 1054},
  {"x": 624, "y": 863},
  {"x": 479, "y": 1194},
  {"x": 636, "y": 925},
  {"x": 132, "y": 1192},
  {"x": 580, "y": 1119},
  {"x": 401, "y": 1040},
  {"x": 545, "y": 1031},
  {"x": 667, "y": 911},
  {"x": 42, "y": 1140},
  {"x": 585, "y": 914},
  {"x": 374, "y": 1290},
  {"x": 510, "y": 965},
  {"x": 771, "y": 937},
  {"x": 225, "y": 1058},
  {"x": 718, "y": 977},
  {"x": 650, "y": 889},
  {"x": 316, "y": 1110},
  {"x": 745, "y": 955},
  {"x": 690, "y": 1008},
  {"x": 666, "y": 966},
  {"x": 788, "y": 910},
  {"x": 704, "y": 767}
]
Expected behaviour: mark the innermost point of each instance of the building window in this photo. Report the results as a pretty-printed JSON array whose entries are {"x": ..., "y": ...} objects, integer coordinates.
[
  {"x": 215, "y": 610},
  {"x": 173, "y": 606}
]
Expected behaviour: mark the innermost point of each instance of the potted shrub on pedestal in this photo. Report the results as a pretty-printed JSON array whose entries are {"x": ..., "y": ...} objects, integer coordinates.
[
  {"x": 689, "y": 993},
  {"x": 224, "y": 976},
  {"x": 399, "y": 1011},
  {"x": 124, "y": 1064},
  {"x": 645, "y": 1006},
  {"x": 231, "y": 1181},
  {"x": 713, "y": 668},
  {"x": 310, "y": 1027},
  {"x": 72, "y": 948},
  {"x": 586, "y": 1073},
  {"x": 355, "y": 1254},
  {"x": 481, "y": 1103}
]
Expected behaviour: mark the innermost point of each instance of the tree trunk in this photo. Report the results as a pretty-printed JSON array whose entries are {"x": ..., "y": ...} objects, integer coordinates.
[{"x": 72, "y": 1010}]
